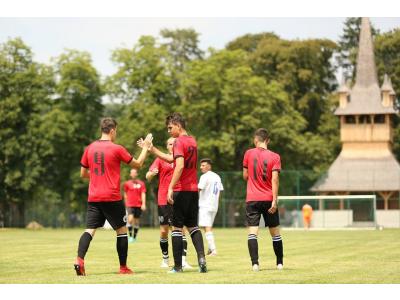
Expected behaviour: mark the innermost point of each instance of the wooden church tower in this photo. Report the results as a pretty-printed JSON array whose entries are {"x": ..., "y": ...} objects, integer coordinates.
[{"x": 366, "y": 163}]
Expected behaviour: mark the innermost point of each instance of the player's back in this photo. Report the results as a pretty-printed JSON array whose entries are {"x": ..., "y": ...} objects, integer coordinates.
[
  {"x": 185, "y": 146},
  {"x": 103, "y": 159},
  {"x": 260, "y": 163}
]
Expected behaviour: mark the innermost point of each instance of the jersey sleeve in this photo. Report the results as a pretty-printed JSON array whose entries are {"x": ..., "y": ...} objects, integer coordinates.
[
  {"x": 220, "y": 187},
  {"x": 202, "y": 182},
  {"x": 178, "y": 149},
  {"x": 155, "y": 165},
  {"x": 246, "y": 160},
  {"x": 277, "y": 164},
  {"x": 85, "y": 159},
  {"x": 124, "y": 155},
  {"x": 125, "y": 186}
]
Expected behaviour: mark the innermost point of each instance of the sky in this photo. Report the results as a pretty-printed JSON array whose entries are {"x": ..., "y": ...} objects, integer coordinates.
[{"x": 48, "y": 37}]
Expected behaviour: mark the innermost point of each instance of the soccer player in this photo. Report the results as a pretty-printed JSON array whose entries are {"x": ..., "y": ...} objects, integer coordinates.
[
  {"x": 183, "y": 191},
  {"x": 135, "y": 202},
  {"x": 164, "y": 170},
  {"x": 210, "y": 186},
  {"x": 101, "y": 164},
  {"x": 261, "y": 169},
  {"x": 307, "y": 215}
]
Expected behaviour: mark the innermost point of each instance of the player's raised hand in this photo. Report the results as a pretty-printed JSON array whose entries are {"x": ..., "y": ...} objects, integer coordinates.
[
  {"x": 154, "y": 171},
  {"x": 148, "y": 141},
  {"x": 140, "y": 142}
]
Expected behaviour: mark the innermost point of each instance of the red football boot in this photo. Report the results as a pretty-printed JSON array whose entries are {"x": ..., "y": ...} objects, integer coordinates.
[
  {"x": 125, "y": 270},
  {"x": 80, "y": 267}
]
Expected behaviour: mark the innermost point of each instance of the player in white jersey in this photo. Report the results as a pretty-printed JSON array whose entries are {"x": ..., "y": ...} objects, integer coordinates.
[{"x": 210, "y": 186}]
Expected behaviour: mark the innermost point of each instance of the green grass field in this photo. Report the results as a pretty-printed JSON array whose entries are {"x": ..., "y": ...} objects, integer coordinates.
[{"x": 46, "y": 256}]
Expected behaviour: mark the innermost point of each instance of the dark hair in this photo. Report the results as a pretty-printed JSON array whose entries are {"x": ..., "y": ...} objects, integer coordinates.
[
  {"x": 206, "y": 160},
  {"x": 106, "y": 124},
  {"x": 261, "y": 134},
  {"x": 175, "y": 118}
]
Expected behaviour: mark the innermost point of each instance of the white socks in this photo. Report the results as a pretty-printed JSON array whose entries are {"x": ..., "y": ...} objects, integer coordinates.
[{"x": 210, "y": 240}]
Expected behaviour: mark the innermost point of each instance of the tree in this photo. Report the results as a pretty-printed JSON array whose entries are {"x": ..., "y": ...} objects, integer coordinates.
[
  {"x": 182, "y": 45},
  {"x": 304, "y": 70},
  {"x": 225, "y": 102},
  {"x": 348, "y": 45},
  {"x": 25, "y": 89},
  {"x": 387, "y": 49},
  {"x": 72, "y": 123},
  {"x": 249, "y": 42}
]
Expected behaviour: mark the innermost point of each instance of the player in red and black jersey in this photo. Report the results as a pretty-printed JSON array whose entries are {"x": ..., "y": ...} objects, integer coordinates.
[
  {"x": 164, "y": 171},
  {"x": 135, "y": 202},
  {"x": 261, "y": 169},
  {"x": 100, "y": 163},
  {"x": 182, "y": 190}
]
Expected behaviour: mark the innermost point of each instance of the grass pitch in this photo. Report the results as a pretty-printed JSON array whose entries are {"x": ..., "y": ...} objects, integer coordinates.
[{"x": 362, "y": 256}]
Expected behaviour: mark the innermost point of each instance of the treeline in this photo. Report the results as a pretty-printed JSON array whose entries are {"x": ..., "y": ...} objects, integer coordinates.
[{"x": 49, "y": 113}]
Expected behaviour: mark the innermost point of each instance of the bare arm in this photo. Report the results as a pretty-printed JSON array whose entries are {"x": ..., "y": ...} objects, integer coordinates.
[
  {"x": 164, "y": 156},
  {"x": 151, "y": 174},
  {"x": 275, "y": 188},
  {"x": 84, "y": 173},
  {"x": 138, "y": 163},
  {"x": 179, "y": 165},
  {"x": 143, "y": 201},
  {"x": 275, "y": 185},
  {"x": 245, "y": 174}
]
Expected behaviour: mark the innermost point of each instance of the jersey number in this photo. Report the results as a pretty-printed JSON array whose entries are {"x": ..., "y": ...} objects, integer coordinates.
[
  {"x": 215, "y": 189},
  {"x": 190, "y": 162},
  {"x": 99, "y": 160},
  {"x": 264, "y": 169}
]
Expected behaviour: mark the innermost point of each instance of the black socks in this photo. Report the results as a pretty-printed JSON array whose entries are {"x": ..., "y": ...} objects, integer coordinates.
[
  {"x": 253, "y": 248},
  {"x": 84, "y": 243},
  {"x": 197, "y": 240},
  {"x": 278, "y": 248},
  {"x": 135, "y": 231},
  {"x": 164, "y": 247},
  {"x": 122, "y": 248},
  {"x": 177, "y": 248}
]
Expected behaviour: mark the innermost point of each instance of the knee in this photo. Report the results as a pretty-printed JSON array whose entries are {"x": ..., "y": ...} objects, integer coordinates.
[
  {"x": 163, "y": 232},
  {"x": 91, "y": 231},
  {"x": 274, "y": 231},
  {"x": 122, "y": 230}
]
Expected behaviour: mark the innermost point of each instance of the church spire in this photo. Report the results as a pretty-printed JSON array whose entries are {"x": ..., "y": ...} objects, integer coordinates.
[{"x": 366, "y": 74}]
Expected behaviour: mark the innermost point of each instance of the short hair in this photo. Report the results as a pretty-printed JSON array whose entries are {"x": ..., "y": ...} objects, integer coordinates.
[
  {"x": 261, "y": 134},
  {"x": 106, "y": 124},
  {"x": 206, "y": 160},
  {"x": 175, "y": 118}
]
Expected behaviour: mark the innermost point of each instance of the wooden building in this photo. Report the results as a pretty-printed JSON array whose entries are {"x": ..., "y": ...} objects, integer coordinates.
[{"x": 366, "y": 163}]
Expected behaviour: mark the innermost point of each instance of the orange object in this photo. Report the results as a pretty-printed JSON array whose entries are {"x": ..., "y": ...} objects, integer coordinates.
[{"x": 307, "y": 214}]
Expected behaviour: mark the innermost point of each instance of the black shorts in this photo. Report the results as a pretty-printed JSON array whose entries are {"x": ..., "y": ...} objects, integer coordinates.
[
  {"x": 165, "y": 214},
  {"x": 99, "y": 212},
  {"x": 185, "y": 209},
  {"x": 135, "y": 211},
  {"x": 254, "y": 210}
]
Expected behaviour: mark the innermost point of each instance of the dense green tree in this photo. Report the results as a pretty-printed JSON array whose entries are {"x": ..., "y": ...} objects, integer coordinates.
[
  {"x": 25, "y": 90},
  {"x": 249, "y": 42},
  {"x": 387, "y": 49},
  {"x": 225, "y": 102}
]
